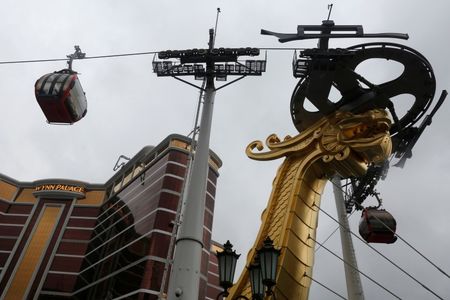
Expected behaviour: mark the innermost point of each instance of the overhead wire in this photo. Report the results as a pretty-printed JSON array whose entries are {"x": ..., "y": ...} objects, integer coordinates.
[
  {"x": 417, "y": 251},
  {"x": 324, "y": 286},
  {"x": 32, "y": 61},
  {"x": 402, "y": 239},
  {"x": 382, "y": 255},
  {"x": 328, "y": 237},
  {"x": 87, "y": 57},
  {"x": 357, "y": 270},
  {"x": 413, "y": 248},
  {"x": 119, "y": 55},
  {"x": 332, "y": 233}
]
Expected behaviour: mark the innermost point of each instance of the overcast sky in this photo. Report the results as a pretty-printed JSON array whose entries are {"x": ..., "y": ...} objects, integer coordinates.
[{"x": 129, "y": 107}]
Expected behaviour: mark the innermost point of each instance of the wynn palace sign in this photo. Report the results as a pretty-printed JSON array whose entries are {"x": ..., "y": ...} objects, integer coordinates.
[{"x": 60, "y": 190}]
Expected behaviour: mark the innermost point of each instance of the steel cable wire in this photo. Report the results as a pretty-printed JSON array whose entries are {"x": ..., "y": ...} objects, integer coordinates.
[
  {"x": 119, "y": 55},
  {"x": 412, "y": 247},
  {"x": 324, "y": 286},
  {"x": 332, "y": 233},
  {"x": 65, "y": 59},
  {"x": 385, "y": 257},
  {"x": 360, "y": 272},
  {"x": 402, "y": 239}
]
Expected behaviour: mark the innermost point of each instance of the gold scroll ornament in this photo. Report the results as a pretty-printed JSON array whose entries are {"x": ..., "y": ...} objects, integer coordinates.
[{"x": 343, "y": 144}]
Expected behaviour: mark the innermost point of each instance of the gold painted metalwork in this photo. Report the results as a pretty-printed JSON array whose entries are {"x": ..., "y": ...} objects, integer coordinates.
[
  {"x": 343, "y": 143},
  {"x": 34, "y": 252}
]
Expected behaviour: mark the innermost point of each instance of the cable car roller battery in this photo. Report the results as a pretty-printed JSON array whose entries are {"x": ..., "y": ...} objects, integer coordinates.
[{"x": 60, "y": 94}]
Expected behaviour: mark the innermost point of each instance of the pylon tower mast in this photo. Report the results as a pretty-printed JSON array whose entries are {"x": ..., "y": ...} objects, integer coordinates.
[{"x": 209, "y": 65}]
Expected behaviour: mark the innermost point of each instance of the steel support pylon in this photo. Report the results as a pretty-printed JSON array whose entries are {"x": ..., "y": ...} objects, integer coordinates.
[
  {"x": 185, "y": 276},
  {"x": 353, "y": 280}
]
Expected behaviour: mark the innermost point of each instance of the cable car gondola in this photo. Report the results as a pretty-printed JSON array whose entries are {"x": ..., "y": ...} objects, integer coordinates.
[
  {"x": 61, "y": 97},
  {"x": 377, "y": 226}
]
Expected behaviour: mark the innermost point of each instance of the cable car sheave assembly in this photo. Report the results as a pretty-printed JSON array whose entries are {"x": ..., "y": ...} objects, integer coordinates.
[
  {"x": 319, "y": 69},
  {"x": 60, "y": 94}
]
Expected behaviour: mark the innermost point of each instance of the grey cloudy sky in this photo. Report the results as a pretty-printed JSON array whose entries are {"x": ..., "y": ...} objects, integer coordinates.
[{"x": 129, "y": 107}]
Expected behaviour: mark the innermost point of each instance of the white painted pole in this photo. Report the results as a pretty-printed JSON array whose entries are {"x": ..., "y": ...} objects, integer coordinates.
[
  {"x": 354, "y": 287},
  {"x": 185, "y": 276}
]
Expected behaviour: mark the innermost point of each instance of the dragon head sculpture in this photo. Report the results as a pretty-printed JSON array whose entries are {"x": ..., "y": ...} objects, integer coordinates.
[
  {"x": 342, "y": 143},
  {"x": 364, "y": 138}
]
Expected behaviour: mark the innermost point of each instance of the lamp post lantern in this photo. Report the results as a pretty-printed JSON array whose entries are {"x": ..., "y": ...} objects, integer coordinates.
[
  {"x": 268, "y": 257},
  {"x": 261, "y": 274},
  {"x": 256, "y": 281},
  {"x": 227, "y": 266}
]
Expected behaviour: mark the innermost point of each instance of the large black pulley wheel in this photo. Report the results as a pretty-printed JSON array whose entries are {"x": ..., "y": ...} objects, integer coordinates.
[{"x": 357, "y": 93}]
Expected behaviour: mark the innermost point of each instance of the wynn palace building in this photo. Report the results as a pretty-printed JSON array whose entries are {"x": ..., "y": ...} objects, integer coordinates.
[{"x": 66, "y": 239}]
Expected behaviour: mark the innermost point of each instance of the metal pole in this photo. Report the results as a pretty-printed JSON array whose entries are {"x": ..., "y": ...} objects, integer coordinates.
[
  {"x": 185, "y": 277},
  {"x": 354, "y": 287}
]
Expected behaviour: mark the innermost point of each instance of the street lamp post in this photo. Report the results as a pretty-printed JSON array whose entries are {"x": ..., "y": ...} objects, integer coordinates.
[{"x": 263, "y": 270}]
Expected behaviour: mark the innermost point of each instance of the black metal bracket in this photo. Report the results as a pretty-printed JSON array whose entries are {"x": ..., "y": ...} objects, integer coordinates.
[
  {"x": 76, "y": 55},
  {"x": 364, "y": 186},
  {"x": 118, "y": 165},
  {"x": 326, "y": 32}
]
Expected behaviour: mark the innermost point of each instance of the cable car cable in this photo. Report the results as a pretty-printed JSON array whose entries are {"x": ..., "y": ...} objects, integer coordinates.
[
  {"x": 382, "y": 255},
  {"x": 324, "y": 286},
  {"x": 31, "y": 61},
  {"x": 406, "y": 242},
  {"x": 362, "y": 273},
  {"x": 122, "y": 55},
  {"x": 65, "y": 59},
  {"x": 412, "y": 247},
  {"x": 326, "y": 240},
  {"x": 331, "y": 234}
]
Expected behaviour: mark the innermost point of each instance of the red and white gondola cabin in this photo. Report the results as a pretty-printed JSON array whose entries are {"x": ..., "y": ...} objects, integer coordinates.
[
  {"x": 377, "y": 226},
  {"x": 61, "y": 97}
]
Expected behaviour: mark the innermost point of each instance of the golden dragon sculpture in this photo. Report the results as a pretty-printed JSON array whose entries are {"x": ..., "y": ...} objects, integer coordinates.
[{"x": 343, "y": 144}]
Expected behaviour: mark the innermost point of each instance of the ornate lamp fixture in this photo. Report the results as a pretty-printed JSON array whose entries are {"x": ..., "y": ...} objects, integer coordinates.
[
  {"x": 262, "y": 270},
  {"x": 227, "y": 266},
  {"x": 268, "y": 257},
  {"x": 256, "y": 281}
]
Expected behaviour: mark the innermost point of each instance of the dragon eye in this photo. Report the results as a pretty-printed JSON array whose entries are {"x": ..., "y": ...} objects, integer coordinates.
[{"x": 353, "y": 131}]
